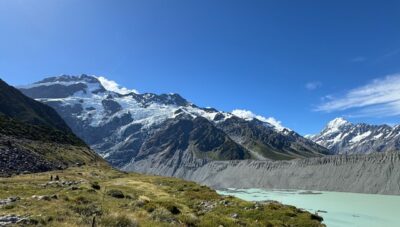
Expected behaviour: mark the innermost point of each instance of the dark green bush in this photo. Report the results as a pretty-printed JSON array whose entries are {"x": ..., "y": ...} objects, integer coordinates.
[
  {"x": 116, "y": 194},
  {"x": 96, "y": 186}
]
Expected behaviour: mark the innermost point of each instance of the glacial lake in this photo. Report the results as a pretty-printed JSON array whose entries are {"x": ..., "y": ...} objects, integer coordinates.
[{"x": 342, "y": 209}]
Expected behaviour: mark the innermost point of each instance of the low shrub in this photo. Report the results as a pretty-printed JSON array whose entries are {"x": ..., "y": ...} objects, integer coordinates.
[
  {"x": 163, "y": 215},
  {"x": 116, "y": 194},
  {"x": 118, "y": 221},
  {"x": 82, "y": 200},
  {"x": 171, "y": 207},
  {"x": 96, "y": 186},
  {"x": 316, "y": 217},
  {"x": 189, "y": 220},
  {"x": 86, "y": 209}
]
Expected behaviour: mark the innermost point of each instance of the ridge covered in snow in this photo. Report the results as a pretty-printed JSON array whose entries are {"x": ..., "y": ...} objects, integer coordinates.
[
  {"x": 111, "y": 85},
  {"x": 337, "y": 123},
  {"x": 342, "y": 136},
  {"x": 148, "y": 109},
  {"x": 249, "y": 116}
]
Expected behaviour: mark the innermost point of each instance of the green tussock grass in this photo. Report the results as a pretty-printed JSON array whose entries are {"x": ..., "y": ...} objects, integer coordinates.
[{"x": 146, "y": 201}]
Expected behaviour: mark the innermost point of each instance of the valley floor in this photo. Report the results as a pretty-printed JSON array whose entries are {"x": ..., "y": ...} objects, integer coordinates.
[{"x": 83, "y": 195}]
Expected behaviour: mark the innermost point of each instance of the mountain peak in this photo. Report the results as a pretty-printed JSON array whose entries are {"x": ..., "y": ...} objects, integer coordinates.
[
  {"x": 249, "y": 116},
  {"x": 337, "y": 123},
  {"x": 111, "y": 85},
  {"x": 68, "y": 85},
  {"x": 342, "y": 137},
  {"x": 97, "y": 81},
  {"x": 69, "y": 79}
]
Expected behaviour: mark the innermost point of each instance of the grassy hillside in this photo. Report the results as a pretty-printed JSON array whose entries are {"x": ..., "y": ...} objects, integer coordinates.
[
  {"x": 23, "y": 117},
  {"x": 18, "y": 129},
  {"x": 18, "y": 106},
  {"x": 120, "y": 199}
]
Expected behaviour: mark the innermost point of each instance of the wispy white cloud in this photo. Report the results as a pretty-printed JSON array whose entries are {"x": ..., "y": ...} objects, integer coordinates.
[
  {"x": 313, "y": 85},
  {"x": 380, "y": 97},
  {"x": 327, "y": 98},
  {"x": 358, "y": 59},
  {"x": 248, "y": 115},
  {"x": 111, "y": 85},
  {"x": 392, "y": 53}
]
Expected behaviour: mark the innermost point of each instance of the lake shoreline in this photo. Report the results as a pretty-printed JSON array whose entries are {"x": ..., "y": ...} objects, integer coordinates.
[{"x": 337, "y": 208}]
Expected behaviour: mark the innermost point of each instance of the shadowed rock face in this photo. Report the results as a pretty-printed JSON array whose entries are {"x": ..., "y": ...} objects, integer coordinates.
[
  {"x": 262, "y": 141},
  {"x": 373, "y": 173},
  {"x": 111, "y": 106},
  {"x": 60, "y": 87},
  {"x": 197, "y": 136},
  {"x": 56, "y": 91}
]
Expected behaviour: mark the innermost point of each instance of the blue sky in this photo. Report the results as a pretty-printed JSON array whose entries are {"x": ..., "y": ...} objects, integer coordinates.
[{"x": 301, "y": 62}]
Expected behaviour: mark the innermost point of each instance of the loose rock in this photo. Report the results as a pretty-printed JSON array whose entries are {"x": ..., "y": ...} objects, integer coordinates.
[{"x": 11, "y": 219}]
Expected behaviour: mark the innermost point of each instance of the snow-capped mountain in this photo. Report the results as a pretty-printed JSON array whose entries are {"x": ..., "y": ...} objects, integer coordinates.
[
  {"x": 342, "y": 137},
  {"x": 125, "y": 126}
]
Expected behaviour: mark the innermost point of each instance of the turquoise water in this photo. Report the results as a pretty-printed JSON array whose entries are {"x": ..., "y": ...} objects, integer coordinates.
[{"x": 339, "y": 209}]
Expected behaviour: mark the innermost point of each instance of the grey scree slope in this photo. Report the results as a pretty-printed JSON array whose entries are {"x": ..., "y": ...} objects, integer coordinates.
[{"x": 377, "y": 173}]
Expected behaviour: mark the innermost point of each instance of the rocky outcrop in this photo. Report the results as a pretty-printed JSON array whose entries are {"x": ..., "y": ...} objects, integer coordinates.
[
  {"x": 11, "y": 219},
  {"x": 374, "y": 173},
  {"x": 19, "y": 156},
  {"x": 16, "y": 160}
]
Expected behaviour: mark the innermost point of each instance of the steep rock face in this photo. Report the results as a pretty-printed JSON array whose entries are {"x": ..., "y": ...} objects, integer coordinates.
[
  {"x": 185, "y": 142},
  {"x": 343, "y": 137},
  {"x": 377, "y": 173},
  {"x": 205, "y": 140},
  {"x": 261, "y": 140},
  {"x": 120, "y": 126}
]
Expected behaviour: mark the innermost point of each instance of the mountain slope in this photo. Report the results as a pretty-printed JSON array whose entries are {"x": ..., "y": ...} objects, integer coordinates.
[
  {"x": 264, "y": 143},
  {"x": 34, "y": 138},
  {"x": 120, "y": 125},
  {"x": 343, "y": 137},
  {"x": 23, "y": 117},
  {"x": 19, "y": 107}
]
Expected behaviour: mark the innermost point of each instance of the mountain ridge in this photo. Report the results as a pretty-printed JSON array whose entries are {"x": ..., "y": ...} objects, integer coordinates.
[
  {"x": 343, "y": 137},
  {"x": 118, "y": 125}
]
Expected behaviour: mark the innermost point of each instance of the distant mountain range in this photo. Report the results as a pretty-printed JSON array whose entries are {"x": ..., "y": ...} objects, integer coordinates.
[
  {"x": 34, "y": 138},
  {"x": 126, "y": 127},
  {"x": 168, "y": 135},
  {"x": 342, "y": 137}
]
